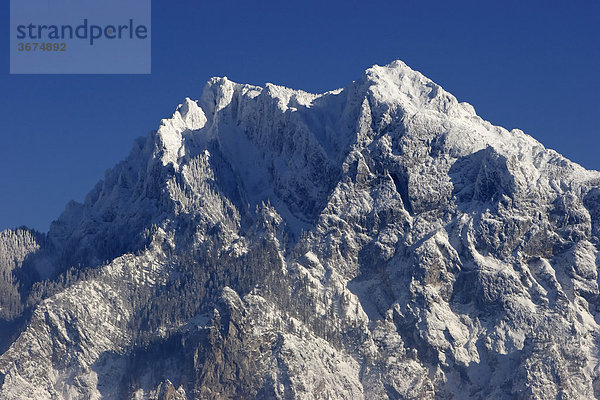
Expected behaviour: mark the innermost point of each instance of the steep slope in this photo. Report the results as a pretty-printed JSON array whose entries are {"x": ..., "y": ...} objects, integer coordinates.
[{"x": 378, "y": 241}]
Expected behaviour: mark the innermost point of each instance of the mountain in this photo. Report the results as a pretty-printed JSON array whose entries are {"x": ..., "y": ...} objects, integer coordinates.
[{"x": 379, "y": 241}]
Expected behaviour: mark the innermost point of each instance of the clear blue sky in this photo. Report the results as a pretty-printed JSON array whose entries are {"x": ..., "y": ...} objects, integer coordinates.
[{"x": 533, "y": 65}]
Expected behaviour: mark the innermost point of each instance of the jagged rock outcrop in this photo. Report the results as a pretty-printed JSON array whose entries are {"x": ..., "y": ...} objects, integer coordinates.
[{"x": 377, "y": 241}]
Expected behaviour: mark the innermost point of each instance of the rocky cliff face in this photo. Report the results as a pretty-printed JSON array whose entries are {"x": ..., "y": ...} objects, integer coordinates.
[{"x": 378, "y": 241}]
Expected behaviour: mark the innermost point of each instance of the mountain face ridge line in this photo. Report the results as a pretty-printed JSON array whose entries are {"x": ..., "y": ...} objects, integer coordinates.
[{"x": 379, "y": 241}]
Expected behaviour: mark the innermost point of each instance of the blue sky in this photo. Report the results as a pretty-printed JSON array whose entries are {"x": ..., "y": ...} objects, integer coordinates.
[{"x": 533, "y": 65}]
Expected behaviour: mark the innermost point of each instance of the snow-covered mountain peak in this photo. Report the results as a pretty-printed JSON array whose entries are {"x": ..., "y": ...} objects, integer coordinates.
[
  {"x": 377, "y": 241},
  {"x": 191, "y": 114},
  {"x": 218, "y": 92},
  {"x": 188, "y": 116},
  {"x": 398, "y": 84}
]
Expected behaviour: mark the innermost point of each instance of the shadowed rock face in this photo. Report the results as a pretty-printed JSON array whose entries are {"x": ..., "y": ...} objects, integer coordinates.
[{"x": 378, "y": 241}]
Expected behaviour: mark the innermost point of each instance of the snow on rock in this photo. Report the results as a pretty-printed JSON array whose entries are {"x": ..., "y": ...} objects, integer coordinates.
[{"x": 376, "y": 241}]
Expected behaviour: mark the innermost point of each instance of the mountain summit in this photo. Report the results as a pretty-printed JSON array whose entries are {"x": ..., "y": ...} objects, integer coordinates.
[{"x": 379, "y": 241}]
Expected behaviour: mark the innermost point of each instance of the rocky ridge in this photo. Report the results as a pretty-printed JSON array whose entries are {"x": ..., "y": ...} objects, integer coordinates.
[{"x": 377, "y": 241}]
